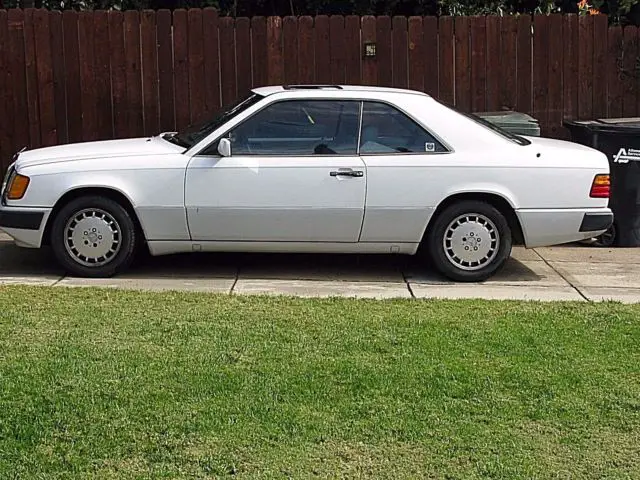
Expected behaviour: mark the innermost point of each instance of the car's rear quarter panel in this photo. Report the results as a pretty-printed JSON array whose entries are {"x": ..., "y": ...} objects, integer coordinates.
[{"x": 404, "y": 191}]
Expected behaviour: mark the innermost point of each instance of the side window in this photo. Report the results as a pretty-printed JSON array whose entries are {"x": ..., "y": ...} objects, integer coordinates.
[
  {"x": 297, "y": 127},
  {"x": 385, "y": 129}
]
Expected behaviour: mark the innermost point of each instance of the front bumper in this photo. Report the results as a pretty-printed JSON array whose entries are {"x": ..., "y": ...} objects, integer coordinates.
[
  {"x": 24, "y": 220},
  {"x": 546, "y": 227},
  {"x": 25, "y": 225}
]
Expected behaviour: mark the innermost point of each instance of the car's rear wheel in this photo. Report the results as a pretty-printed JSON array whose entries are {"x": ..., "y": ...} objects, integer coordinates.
[
  {"x": 93, "y": 236},
  {"x": 607, "y": 239},
  {"x": 469, "y": 241}
]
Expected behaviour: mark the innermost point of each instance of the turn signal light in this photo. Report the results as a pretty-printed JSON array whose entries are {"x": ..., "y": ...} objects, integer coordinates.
[
  {"x": 17, "y": 187},
  {"x": 601, "y": 187}
]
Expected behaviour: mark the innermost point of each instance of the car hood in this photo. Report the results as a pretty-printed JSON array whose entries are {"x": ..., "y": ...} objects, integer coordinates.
[{"x": 101, "y": 150}]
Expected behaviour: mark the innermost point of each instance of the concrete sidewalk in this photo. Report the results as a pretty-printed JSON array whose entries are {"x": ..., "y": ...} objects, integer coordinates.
[{"x": 577, "y": 273}]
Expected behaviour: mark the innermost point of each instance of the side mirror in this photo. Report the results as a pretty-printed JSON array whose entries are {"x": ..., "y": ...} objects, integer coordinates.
[{"x": 224, "y": 147}]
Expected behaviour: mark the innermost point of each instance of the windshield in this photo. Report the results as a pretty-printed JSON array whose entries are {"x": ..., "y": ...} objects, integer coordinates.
[{"x": 195, "y": 133}]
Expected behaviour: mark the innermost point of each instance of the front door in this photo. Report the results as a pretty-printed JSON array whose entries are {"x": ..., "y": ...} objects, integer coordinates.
[{"x": 293, "y": 176}]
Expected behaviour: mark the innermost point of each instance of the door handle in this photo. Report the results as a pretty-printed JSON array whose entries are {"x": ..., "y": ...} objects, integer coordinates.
[{"x": 347, "y": 173}]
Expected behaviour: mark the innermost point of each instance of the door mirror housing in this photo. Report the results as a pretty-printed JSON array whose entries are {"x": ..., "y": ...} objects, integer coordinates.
[{"x": 224, "y": 147}]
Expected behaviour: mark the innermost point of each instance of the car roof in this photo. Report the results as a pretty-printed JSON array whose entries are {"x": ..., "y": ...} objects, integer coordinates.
[{"x": 305, "y": 89}]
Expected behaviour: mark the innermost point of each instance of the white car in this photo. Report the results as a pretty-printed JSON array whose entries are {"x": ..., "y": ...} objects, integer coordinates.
[{"x": 311, "y": 168}]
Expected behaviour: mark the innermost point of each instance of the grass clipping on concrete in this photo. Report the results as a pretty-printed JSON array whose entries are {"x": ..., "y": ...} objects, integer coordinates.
[{"x": 112, "y": 384}]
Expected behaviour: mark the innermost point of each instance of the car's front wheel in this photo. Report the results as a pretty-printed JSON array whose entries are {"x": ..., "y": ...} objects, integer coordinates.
[
  {"x": 469, "y": 241},
  {"x": 93, "y": 236}
]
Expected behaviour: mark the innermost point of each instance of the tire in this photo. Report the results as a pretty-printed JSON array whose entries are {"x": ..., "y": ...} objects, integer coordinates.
[
  {"x": 93, "y": 236},
  {"x": 469, "y": 241},
  {"x": 607, "y": 239}
]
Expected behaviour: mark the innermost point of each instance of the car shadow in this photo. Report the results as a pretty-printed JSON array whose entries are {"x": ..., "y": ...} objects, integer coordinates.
[
  {"x": 326, "y": 267},
  {"x": 15, "y": 261}
]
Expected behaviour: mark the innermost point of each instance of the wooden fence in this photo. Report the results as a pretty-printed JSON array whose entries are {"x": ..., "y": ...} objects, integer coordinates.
[{"x": 67, "y": 77}]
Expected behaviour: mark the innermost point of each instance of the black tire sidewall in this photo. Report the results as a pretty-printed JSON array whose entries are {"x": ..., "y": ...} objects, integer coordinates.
[
  {"x": 127, "y": 234},
  {"x": 436, "y": 235}
]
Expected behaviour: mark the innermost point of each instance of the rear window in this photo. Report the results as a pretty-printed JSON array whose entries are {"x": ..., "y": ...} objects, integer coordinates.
[{"x": 493, "y": 128}]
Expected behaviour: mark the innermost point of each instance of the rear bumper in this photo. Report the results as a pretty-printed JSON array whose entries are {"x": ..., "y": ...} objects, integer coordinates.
[
  {"x": 594, "y": 222},
  {"x": 25, "y": 225},
  {"x": 545, "y": 227}
]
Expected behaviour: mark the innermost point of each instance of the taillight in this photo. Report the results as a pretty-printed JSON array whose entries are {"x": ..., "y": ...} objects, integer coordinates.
[{"x": 601, "y": 187}]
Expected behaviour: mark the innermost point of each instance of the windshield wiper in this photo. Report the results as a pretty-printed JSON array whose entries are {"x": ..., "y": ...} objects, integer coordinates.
[{"x": 176, "y": 139}]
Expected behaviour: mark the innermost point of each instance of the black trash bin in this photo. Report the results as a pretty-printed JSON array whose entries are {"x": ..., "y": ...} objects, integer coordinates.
[{"x": 619, "y": 139}]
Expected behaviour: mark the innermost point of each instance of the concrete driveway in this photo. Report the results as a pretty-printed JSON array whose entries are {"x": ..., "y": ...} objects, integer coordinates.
[{"x": 573, "y": 272}]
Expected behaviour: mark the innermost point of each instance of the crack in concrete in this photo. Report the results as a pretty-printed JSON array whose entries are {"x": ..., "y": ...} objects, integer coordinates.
[{"x": 569, "y": 282}]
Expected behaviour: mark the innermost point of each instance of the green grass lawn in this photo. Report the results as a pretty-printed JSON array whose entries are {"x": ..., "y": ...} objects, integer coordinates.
[{"x": 111, "y": 384}]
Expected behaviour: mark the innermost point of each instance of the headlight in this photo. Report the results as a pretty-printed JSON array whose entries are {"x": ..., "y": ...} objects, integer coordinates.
[
  {"x": 5, "y": 180},
  {"x": 17, "y": 186}
]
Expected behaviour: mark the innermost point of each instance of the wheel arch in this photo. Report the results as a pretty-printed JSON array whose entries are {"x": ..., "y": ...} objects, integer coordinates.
[
  {"x": 81, "y": 191},
  {"x": 496, "y": 200}
]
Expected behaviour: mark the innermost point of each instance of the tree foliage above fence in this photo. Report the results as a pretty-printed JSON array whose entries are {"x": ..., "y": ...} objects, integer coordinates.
[{"x": 616, "y": 9}]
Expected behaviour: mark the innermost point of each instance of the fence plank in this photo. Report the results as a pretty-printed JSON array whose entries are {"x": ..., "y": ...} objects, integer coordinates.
[
  {"x": 259, "y": 48},
  {"x": 630, "y": 35},
  {"x": 462, "y": 64},
  {"x": 600, "y": 27},
  {"x": 44, "y": 71},
  {"x": 431, "y": 56},
  {"x": 211, "y": 60},
  {"x": 570, "y": 63},
  {"x": 556, "y": 44},
  {"x": 86, "y": 31},
  {"x": 196, "y": 49},
  {"x": 59, "y": 96},
  {"x": 352, "y": 50},
  {"x": 243, "y": 55},
  {"x": 508, "y": 63},
  {"x": 446, "y": 60},
  {"x": 369, "y": 64},
  {"x": 102, "y": 75},
  {"x": 493, "y": 62},
  {"x": 275, "y": 62},
  {"x": 478, "y": 64},
  {"x": 400, "y": 52},
  {"x": 322, "y": 49},
  {"x": 228, "y": 61},
  {"x": 383, "y": 51},
  {"x": 32, "y": 79},
  {"x": 181, "y": 68},
  {"x": 614, "y": 73},
  {"x": 17, "y": 79},
  {"x": 306, "y": 51},
  {"x": 166, "y": 102},
  {"x": 6, "y": 100},
  {"x": 336, "y": 36},
  {"x": 290, "y": 50},
  {"x": 133, "y": 71},
  {"x": 541, "y": 71},
  {"x": 118, "y": 74},
  {"x": 72, "y": 74},
  {"x": 416, "y": 54},
  {"x": 585, "y": 66},
  {"x": 524, "y": 65}
]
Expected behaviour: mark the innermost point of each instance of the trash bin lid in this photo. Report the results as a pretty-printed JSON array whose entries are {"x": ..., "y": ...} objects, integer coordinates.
[
  {"x": 624, "y": 125},
  {"x": 509, "y": 117}
]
